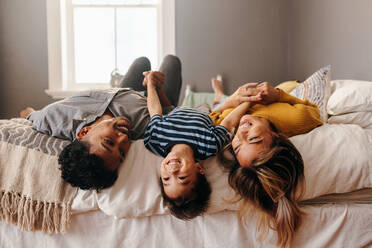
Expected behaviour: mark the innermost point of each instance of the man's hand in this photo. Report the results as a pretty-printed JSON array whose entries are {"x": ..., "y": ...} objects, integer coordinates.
[{"x": 153, "y": 78}]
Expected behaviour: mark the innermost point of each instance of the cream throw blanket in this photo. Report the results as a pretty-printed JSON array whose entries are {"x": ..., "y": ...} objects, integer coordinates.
[{"x": 33, "y": 195}]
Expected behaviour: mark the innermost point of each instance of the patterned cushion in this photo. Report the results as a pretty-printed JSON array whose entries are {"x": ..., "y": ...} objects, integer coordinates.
[{"x": 316, "y": 89}]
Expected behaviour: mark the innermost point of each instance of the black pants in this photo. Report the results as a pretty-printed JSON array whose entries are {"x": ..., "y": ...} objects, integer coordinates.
[{"x": 170, "y": 66}]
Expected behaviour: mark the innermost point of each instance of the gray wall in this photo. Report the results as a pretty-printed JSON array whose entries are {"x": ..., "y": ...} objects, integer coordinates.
[
  {"x": 336, "y": 32},
  {"x": 23, "y": 56},
  {"x": 246, "y": 40}
]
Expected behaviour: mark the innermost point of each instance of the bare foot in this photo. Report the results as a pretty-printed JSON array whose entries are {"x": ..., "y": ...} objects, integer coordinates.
[
  {"x": 25, "y": 112},
  {"x": 218, "y": 90}
]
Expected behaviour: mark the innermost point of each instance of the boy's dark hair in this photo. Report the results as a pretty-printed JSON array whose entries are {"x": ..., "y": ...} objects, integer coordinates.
[
  {"x": 192, "y": 206},
  {"x": 84, "y": 170}
]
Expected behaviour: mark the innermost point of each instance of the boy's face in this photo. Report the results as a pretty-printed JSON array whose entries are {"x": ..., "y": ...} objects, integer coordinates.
[{"x": 179, "y": 172}]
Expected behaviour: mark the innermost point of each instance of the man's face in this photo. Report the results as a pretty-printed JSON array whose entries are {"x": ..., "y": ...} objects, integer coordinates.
[{"x": 108, "y": 139}]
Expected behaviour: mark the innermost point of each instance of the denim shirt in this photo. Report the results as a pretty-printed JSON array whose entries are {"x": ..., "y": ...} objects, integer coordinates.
[{"x": 64, "y": 119}]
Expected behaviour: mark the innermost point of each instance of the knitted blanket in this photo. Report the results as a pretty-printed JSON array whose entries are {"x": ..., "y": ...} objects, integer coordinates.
[{"x": 33, "y": 195}]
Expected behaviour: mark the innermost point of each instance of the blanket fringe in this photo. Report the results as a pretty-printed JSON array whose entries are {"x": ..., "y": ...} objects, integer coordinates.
[{"x": 31, "y": 215}]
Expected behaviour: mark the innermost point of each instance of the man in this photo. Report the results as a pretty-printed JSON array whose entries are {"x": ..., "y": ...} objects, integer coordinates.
[{"x": 102, "y": 123}]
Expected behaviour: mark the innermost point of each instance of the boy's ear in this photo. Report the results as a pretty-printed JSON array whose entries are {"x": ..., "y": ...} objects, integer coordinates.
[
  {"x": 200, "y": 168},
  {"x": 84, "y": 131}
]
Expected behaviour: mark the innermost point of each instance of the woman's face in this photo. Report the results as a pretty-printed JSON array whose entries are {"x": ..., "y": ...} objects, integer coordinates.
[{"x": 252, "y": 139}]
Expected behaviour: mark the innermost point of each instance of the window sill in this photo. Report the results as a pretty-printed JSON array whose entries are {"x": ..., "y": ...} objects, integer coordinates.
[{"x": 60, "y": 94}]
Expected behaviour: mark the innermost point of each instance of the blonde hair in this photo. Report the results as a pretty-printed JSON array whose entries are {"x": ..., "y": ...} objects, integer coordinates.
[{"x": 273, "y": 184}]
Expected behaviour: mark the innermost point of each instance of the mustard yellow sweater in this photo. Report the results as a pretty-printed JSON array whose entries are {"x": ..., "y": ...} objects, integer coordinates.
[{"x": 290, "y": 115}]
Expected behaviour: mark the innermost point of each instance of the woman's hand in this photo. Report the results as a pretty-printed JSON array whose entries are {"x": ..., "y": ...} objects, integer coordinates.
[
  {"x": 245, "y": 93},
  {"x": 268, "y": 93}
]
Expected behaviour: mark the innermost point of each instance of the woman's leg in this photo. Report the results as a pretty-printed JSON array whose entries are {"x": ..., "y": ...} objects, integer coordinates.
[
  {"x": 171, "y": 67},
  {"x": 218, "y": 90},
  {"x": 219, "y": 95},
  {"x": 134, "y": 78}
]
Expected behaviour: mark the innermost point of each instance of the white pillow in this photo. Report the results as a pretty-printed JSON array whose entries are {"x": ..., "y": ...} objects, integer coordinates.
[
  {"x": 316, "y": 89},
  {"x": 136, "y": 192},
  {"x": 363, "y": 119},
  {"x": 337, "y": 157},
  {"x": 349, "y": 96}
]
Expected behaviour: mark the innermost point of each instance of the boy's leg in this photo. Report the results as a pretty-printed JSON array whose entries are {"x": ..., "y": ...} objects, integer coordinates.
[
  {"x": 171, "y": 67},
  {"x": 134, "y": 78}
]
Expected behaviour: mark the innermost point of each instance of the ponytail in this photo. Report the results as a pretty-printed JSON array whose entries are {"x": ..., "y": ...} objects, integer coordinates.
[{"x": 287, "y": 218}]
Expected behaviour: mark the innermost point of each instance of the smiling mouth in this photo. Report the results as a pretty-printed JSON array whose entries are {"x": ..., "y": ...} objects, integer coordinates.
[
  {"x": 173, "y": 162},
  {"x": 122, "y": 126}
]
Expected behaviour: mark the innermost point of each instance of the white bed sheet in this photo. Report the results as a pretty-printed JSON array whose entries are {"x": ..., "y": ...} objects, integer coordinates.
[{"x": 332, "y": 225}]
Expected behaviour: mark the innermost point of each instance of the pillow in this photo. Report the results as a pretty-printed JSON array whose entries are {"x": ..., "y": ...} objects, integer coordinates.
[
  {"x": 288, "y": 86},
  {"x": 337, "y": 159},
  {"x": 363, "y": 119},
  {"x": 136, "y": 193},
  {"x": 349, "y": 96},
  {"x": 316, "y": 89}
]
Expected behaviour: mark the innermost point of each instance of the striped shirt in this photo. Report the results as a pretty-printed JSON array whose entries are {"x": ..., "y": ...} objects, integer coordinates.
[{"x": 185, "y": 126}]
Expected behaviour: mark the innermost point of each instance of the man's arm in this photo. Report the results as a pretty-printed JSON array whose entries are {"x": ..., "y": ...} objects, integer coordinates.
[{"x": 164, "y": 101}]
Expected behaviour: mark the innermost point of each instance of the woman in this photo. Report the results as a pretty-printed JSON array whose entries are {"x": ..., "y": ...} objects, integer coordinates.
[{"x": 267, "y": 171}]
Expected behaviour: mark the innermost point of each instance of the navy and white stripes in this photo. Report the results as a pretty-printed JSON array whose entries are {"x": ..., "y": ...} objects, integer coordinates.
[{"x": 185, "y": 126}]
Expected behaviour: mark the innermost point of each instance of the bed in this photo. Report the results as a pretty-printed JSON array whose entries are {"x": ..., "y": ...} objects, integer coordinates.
[{"x": 337, "y": 200}]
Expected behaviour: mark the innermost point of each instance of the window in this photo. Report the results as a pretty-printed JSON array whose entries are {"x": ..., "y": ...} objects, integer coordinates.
[{"x": 88, "y": 39}]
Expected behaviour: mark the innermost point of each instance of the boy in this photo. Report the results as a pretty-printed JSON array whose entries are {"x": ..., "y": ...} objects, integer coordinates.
[{"x": 184, "y": 137}]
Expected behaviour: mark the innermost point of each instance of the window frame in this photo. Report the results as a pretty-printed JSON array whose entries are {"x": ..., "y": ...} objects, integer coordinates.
[{"x": 60, "y": 83}]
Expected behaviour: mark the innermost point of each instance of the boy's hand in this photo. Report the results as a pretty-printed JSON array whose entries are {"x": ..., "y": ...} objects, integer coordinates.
[{"x": 153, "y": 78}]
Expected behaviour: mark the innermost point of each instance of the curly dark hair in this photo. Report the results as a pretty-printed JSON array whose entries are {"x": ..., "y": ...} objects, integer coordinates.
[
  {"x": 196, "y": 204},
  {"x": 84, "y": 170}
]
